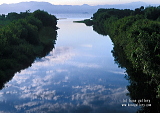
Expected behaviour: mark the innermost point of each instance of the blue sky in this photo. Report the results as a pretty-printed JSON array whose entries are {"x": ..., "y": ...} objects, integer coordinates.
[{"x": 80, "y": 2}]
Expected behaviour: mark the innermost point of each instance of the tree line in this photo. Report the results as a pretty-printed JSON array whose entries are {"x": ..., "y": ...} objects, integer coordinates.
[
  {"x": 24, "y": 37},
  {"x": 136, "y": 38}
]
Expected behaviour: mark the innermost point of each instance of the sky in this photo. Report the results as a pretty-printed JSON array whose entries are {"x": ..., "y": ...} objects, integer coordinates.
[{"x": 80, "y": 2}]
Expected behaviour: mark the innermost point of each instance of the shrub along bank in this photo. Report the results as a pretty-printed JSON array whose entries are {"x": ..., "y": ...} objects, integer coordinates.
[{"x": 137, "y": 33}]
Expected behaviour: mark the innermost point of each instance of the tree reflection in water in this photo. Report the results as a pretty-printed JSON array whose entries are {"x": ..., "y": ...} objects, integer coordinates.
[
  {"x": 50, "y": 39},
  {"x": 141, "y": 89}
]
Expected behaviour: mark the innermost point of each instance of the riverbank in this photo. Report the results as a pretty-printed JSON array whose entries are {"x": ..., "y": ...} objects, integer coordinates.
[
  {"x": 136, "y": 33},
  {"x": 88, "y": 22},
  {"x": 136, "y": 38},
  {"x": 26, "y": 37}
]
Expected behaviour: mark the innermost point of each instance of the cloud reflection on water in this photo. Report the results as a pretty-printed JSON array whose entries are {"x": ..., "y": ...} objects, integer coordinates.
[
  {"x": 87, "y": 45},
  {"x": 64, "y": 82},
  {"x": 53, "y": 90},
  {"x": 56, "y": 56}
]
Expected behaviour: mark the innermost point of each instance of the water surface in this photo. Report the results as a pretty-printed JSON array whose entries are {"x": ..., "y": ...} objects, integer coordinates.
[{"x": 78, "y": 76}]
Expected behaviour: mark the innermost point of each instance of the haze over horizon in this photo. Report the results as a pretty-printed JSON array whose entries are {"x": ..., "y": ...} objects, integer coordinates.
[
  {"x": 77, "y": 2},
  {"x": 63, "y": 9}
]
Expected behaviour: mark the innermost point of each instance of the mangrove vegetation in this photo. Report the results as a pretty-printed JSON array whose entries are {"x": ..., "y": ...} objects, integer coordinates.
[
  {"x": 23, "y": 38},
  {"x": 136, "y": 38}
]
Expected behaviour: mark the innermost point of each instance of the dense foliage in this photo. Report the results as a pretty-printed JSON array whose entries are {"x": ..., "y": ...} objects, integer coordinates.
[
  {"x": 140, "y": 86},
  {"x": 23, "y": 38},
  {"x": 136, "y": 38},
  {"x": 137, "y": 33},
  {"x": 88, "y": 22}
]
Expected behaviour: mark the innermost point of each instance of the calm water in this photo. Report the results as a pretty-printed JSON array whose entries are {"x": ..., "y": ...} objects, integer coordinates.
[{"x": 78, "y": 76}]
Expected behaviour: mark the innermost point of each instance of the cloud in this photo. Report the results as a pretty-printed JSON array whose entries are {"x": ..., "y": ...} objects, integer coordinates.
[
  {"x": 56, "y": 56},
  {"x": 79, "y": 98},
  {"x": 29, "y": 72},
  {"x": 118, "y": 72},
  {"x": 38, "y": 93},
  {"x": 61, "y": 70},
  {"x": 87, "y": 45},
  {"x": 84, "y": 65},
  {"x": 29, "y": 104},
  {"x": 87, "y": 91},
  {"x": 55, "y": 91}
]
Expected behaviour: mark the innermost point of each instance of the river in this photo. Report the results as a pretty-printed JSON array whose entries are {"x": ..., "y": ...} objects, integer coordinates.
[{"x": 78, "y": 76}]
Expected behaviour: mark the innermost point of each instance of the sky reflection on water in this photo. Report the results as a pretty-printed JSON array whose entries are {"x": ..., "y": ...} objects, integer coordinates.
[{"x": 78, "y": 76}]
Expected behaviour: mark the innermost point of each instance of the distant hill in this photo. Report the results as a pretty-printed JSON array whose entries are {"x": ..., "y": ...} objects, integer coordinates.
[{"x": 64, "y": 9}]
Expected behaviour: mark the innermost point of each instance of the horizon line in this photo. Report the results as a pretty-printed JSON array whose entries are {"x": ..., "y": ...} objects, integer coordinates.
[{"x": 79, "y": 4}]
